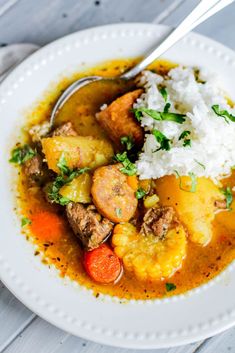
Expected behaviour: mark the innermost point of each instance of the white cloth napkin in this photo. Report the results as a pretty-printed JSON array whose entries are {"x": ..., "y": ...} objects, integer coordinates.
[{"x": 12, "y": 55}]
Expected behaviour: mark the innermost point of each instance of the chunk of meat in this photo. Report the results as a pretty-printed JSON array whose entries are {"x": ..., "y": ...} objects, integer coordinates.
[
  {"x": 222, "y": 204},
  {"x": 118, "y": 120},
  {"x": 112, "y": 195},
  {"x": 33, "y": 168},
  {"x": 37, "y": 132},
  {"x": 88, "y": 225},
  {"x": 157, "y": 221},
  {"x": 65, "y": 129}
]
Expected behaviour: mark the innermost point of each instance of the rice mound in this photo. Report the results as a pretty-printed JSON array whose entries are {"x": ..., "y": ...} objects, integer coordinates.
[{"x": 212, "y": 151}]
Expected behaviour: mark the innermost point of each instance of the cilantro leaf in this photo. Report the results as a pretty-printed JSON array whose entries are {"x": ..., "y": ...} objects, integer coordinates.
[
  {"x": 25, "y": 221},
  {"x": 140, "y": 193},
  {"x": 62, "y": 165},
  {"x": 166, "y": 108},
  {"x": 184, "y": 134},
  {"x": 187, "y": 141},
  {"x": 170, "y": 287},
  {"x": 160, "y": 116},
  {"x": 193, "y": 181},
  {"x": 162, "y": 140},
  {"x": 228, "y": 196},
  {"x": 164, "y": 93},
  {"x": 21, "y": 154},
  {"x": 128, "y": 168},
  {"x": 223, "y": 113},
  {"x": 66, "y": 176},
  {"x": 118, "y": 212},
  {"x": 138, "y": 114},
  {"x": 128, "y": 142},
  {"x": 201, "y": 165}
]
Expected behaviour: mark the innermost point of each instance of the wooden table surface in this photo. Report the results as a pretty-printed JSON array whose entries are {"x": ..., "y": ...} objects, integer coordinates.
[{"x": 40, "y": 22}]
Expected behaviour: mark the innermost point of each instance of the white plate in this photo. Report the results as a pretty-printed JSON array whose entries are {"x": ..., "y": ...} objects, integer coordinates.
[{"x": 136, "y": 324}]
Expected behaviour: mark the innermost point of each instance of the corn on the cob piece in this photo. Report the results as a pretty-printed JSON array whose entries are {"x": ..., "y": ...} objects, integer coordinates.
[{"x": 148, "y": 257}]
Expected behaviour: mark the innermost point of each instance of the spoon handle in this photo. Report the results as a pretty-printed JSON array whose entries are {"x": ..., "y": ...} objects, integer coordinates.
[{"x": 204, "y": 10}]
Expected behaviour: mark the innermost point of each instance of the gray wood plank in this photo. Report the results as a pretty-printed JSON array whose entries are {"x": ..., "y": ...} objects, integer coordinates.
[
  {"x": 14, "y": 317},
  {"x": 220, "y": 27},
  {"x": 42, "y": 21},
  {"x": 223, "y": 343},
  {"x": 45, "y": 338},
  {"x": 39, "y": 337}
]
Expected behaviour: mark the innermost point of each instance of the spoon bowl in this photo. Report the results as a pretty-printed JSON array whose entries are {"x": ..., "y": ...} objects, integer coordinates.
[{"x": 204, "y": 10}]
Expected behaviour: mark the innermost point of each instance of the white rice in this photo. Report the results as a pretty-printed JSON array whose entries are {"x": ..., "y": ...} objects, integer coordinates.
[{"x": 212, "y": 138}]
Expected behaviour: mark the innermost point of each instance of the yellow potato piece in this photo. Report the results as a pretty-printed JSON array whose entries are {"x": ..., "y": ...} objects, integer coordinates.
[
  {"x": 78, "y": 151},
  {"x": 148, "y": 257},
  {"x": 79, "y": 189},
  {"x": 195, "y": 209}
]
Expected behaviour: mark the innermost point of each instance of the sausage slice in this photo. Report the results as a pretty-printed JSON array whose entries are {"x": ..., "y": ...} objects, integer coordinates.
[{"x": 112, "y": 195}]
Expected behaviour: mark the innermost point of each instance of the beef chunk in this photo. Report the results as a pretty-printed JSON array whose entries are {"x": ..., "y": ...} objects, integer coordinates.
[
  {"x": 157, "y": 221},
  {"x": 33, "y": 168},
  {"x": 88, "y": 225},
  {"x": 36, "y": 171},
  {"x": 65, "y": 129},
  {"x": 222, "y": 204}
]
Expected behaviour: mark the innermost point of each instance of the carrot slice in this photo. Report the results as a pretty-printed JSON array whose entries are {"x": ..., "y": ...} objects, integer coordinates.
[
  {"x": 47, "y": 226},
  {"x": 102, "y": 264},
  {"x": 132, "y": 181}
]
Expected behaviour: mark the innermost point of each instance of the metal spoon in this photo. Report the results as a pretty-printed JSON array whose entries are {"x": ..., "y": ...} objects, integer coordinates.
[{"x": 204, "y": 10}]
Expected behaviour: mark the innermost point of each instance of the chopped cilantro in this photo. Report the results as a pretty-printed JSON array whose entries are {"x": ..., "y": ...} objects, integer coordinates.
[
  {"x": 66, "y": 176},
  {"x": 201, "y": 165},
  {"x": 184, "y": 134},
  {"x": 193, "y": 181},
  {"x": 223, "y": 113},
  {"x": 25, "y": 221},
  {"x": 128, "y": 142},
  {"x": 228, "y": 196},
  {"x": 162, "y": 140},
  {"x": 118, "y": 212},
  {"x": 166, "y": 108},
  {"x": 170, "y": 287},
  {"x": 62, "y": 165},
  {"x": 128, "y": 168},
  {"x": 140, "y": 193},
  {"x": 21, "y": 154},
  {"x": 164, "y": 93},
  {"x": 160, "y": 116},
  {"x": 187, "y": 141}
]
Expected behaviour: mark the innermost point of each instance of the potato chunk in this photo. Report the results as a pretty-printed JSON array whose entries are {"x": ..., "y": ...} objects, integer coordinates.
[
  {"x": 79, "y": 151},
  {"x": 195, "y": 209},
  {"x": 79, "y": 190}
]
